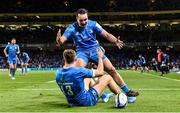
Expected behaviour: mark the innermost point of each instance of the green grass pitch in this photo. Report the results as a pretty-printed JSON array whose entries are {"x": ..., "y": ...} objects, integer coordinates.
[{"x": 38, "y": 92}]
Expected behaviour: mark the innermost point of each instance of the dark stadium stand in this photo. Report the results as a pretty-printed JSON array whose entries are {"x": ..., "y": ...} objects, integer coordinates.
[
  {"x": 98, "y": 5},
  {"x": 142, "y": 24}
]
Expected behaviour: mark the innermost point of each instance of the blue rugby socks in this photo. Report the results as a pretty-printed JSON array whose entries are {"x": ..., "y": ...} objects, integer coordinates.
[{"x": 125, "y": 88}]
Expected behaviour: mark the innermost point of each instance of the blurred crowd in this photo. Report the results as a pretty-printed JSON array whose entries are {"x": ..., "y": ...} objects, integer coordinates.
[
  {"x": 46, "y": 35},
  {"x": 98, "y": 5},
  {"x": 44, "y": 60},
  {"x": 120, "y": 59}
]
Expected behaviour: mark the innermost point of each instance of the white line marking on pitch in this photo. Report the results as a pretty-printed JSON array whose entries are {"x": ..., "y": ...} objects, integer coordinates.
[
  {"x": 53, "y": 89},
  {"x": 162, "y": 77},
  {"x": 31, "y": 89},
  {"x": 158, "y": 89},
  {"x": 51, "y": 81},
  {"x": 88, "y": 112}
]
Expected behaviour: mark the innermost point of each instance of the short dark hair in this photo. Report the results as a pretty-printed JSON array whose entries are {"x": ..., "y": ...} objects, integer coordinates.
[
  {"x": 13, "y": 38},
  {"x": 81, "y": 11},
  {"x": 69, "y": 55}
]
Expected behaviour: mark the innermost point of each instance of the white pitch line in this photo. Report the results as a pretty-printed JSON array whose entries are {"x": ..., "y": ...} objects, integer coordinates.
[
  {"x": 51, "y": 81},
  {"x": 89, "y": 112},
  {"x": 22, "y": 82},
  {"x": 30, "y": 89},
  {"x": 176, "y": 89},
  {"x": 37, "y": 89},
  {"x": 162, "y": 77},
  {"x": 53, "y": 89}
]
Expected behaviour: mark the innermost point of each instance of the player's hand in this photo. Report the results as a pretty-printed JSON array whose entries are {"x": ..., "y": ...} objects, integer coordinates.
[
  {"x": 59, "y": 33},
  {"x": 58, "y": 36},
  {"x": 6, "y": 55},
  {"x": 119, "y": 43},
  {"x": 100, "y": 53}
]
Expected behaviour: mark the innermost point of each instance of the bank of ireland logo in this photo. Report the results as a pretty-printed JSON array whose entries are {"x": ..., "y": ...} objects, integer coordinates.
[{"x": 90, "y": 31}]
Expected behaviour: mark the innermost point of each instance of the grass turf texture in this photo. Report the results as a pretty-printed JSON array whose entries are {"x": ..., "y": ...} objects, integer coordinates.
[{"x": 37, "y": 92}]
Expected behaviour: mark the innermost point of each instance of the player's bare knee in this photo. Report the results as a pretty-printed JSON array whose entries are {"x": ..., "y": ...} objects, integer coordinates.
[{"x": 108, "y": 77}]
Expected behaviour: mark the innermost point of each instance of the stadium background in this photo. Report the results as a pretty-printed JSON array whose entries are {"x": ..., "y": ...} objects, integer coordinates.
[{"x": 144, "y": 26}]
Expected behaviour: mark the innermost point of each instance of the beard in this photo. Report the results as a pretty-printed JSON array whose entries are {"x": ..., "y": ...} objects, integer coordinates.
[{"x": 82, "y": 24}]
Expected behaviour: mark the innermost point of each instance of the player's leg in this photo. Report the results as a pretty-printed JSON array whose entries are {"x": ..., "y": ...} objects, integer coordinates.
[
  {"x": 143, "y": 67},
  {"x": 10, "y": 68},
  {"x": 160, "y": 68},
  {"x": 14, "y": 71},
  {"x": 146, "y": 68},
  {"x": 105, "y": 81},
  {"x": 81, "y": 59},
  {"x": 14, "y": 68},
  {"x": 22, "y": 68},
  {"x": 80, "y": 62},
  {"x": 25, "y": 66},
  {"x": 110, "y": 69},
  {"x": 89, "y": 82},
  {"x": 155, "y": 68},
  {"x": 10, "y": 62}
]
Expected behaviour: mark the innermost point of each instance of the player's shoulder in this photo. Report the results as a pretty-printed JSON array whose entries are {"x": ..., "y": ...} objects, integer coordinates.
[
  {"x": 25, "y": 53},
  {"x": 91, "y": 23},
  {"x": 8, "y": 45},
  {"x": 16, "y": 45},
  {"x": 82, "y": 69},
  {"x": 72, "y": 26},
  {"x": 77, "y": 69},
  {"x": 59, "y": 71}
]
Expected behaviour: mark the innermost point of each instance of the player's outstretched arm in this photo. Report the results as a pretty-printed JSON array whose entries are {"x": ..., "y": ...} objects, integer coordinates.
[
  {"x": 100, "y": 68},
  {"x": 60, "y": 39},
  {"x": 113, "y": 39},
  {"x": 5, "y": 52}
]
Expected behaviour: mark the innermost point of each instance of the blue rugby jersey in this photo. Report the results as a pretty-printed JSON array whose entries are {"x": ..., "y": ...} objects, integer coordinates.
[
  {"x": 84, "y": 37},
  {"x": 12, "y": 50},
  {"x": 71, "y": 82}
]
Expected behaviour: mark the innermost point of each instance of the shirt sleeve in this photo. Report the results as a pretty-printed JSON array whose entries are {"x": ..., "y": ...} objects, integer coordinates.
[
  {"x": 7, "y": 46},
  {"x": 87, "y": 73},
  {"x": 27, "y": 56},
  {"x": 98, "y": 28},
  {"x": 68, "y": 32},
  {"x": 57, "y": 74},
  {"x": 18, "y": 48}
]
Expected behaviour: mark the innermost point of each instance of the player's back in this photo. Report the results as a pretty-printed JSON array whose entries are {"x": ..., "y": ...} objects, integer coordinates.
[
  {"x": 24, "y": 56},
  {"x": 159, "y": 57},
  {"x": 143, "y": 60},
  {"x": 71, "y": 83},
  {"x": 165, "y": 59}
]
